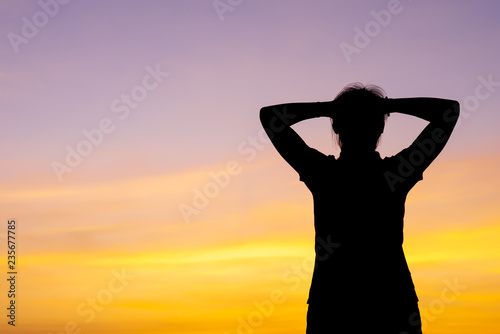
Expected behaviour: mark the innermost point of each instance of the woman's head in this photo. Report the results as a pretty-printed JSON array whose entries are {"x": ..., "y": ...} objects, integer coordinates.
[{"x": 359, "y": 120}]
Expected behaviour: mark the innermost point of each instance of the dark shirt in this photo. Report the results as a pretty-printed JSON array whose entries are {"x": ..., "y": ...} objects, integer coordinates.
[{"x": 359, "y": 205}]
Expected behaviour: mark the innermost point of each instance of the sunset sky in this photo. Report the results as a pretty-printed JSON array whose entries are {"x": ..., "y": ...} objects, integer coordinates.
[{"x": 147, "y": 198}]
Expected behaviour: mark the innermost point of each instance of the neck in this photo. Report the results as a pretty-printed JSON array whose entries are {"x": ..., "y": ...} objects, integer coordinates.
[{"x": 357, "y": 150}]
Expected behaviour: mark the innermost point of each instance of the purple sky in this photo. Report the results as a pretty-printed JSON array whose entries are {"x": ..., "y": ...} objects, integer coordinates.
[{"x": 221, "y": 72}]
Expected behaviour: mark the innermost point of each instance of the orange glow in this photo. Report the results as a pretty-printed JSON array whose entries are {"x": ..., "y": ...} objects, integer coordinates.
[{"x": 222, "y": 269}]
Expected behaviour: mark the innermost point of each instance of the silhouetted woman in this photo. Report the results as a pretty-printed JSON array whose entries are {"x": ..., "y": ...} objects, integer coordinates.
[{"x": 361, "y": 281}]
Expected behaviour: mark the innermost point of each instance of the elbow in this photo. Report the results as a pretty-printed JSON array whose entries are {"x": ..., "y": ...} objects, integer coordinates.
[
  {"x": 265, "y": 115},
  {"x": 452, "y": 113},
  {"x": 264, "y": 111},
  {"x": 455, "y": 107}
]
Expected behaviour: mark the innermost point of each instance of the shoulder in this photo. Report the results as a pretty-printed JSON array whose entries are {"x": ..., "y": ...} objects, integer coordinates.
[
  {"x": 401, "y": 171},
  {"x": 317, "y": 164}
]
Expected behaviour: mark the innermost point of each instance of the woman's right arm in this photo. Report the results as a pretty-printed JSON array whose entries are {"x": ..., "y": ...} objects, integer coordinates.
[{"x": 277, "y": 121}]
